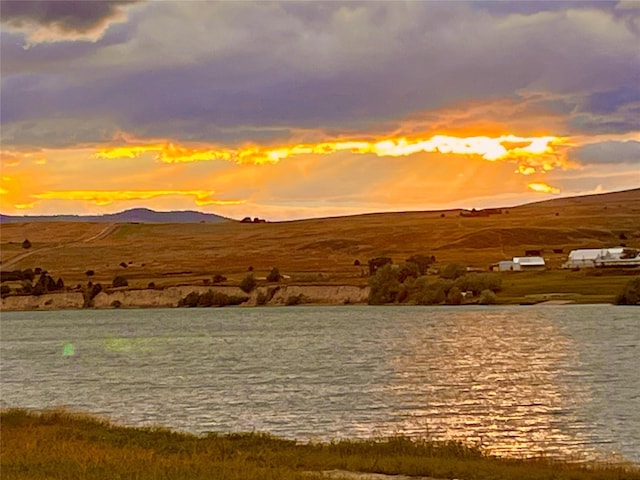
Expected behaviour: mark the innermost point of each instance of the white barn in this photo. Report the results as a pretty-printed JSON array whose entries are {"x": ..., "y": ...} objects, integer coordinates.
[
  {"x": 592, "y": 257},
  {"x": 528, "y": 263},
  {"x": 518, "y": 264}
]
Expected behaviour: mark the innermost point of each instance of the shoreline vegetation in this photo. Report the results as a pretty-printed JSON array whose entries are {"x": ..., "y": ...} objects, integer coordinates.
[
  {"x": 423, "y": 258},
  {"x": 57, "y": 444},
  {"x": 384, "y": 288}
]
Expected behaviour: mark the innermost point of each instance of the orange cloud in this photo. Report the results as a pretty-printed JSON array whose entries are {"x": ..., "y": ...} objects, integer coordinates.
[
  {"x": 543, "y": 188},
  {"x": 531, "y": 153},
  {"x": 202, "y": 197}
]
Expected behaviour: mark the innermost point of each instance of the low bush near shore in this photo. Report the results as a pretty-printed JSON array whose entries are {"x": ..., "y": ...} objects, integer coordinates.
[
  {"x": 59, "y": 445},
  {"x": 210, "y": 299}
]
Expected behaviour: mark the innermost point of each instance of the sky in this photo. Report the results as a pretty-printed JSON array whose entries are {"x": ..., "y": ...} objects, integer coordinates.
[{"x": 287, "y": 110}]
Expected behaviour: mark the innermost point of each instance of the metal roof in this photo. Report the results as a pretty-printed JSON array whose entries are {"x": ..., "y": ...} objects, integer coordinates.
[{"x": 529, "y": 261}]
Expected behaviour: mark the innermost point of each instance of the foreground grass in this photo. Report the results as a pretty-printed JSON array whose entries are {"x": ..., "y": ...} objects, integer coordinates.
[{"x": 59, "y": 445}]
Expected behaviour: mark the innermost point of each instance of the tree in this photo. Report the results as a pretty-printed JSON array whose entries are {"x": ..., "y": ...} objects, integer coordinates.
[
  {"x": 384, "y": 286},
  {"x": 422, "y": 261},
  {"x": 408, "y": 270},
  {"x": 426, "y": 293},
  {"x": 487, "y": 297},
  {"x": 453, "y": 271},
  {"x": 274, "y": 275},
  {"x": 119, "y": 281},
  {"x": 89, "y": 273},
  {"x": 5, "y": 290},
  {"x": 248, "y": 283},
  {"x": 28, "y": 274},
  {"x": 378, "y": 262},
  {"x": 26, "y": 244},
  {"x": 630, "y": 295},
  {"x": 454, "y": 297}
]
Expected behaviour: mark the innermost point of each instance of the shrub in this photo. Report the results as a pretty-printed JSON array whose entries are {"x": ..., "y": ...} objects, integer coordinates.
[
  {"x": 28, "y": 274},
  {"x": 295, "y": 300},
  {"x": 89, "y": 273},
  {"x": 151, "y": 285},
  {"x": 248, "y": 283},
  {"x": 13, "y": 276},
  {"x": 630, "y": 295},
  {"x": 356, "y": 263},
  {"x": 27, "y": 287},
  {"x": 123, "y": 265},
  {"x": 454, "y": 297},
  {"x": 384, "y": 286},
  {"x": 487, "y": 297},
  {"x": 274, "y": 275},
  {"x": 453, "y": 271},
  {"x": 5, "y": 290},
  {"x": 44, "y": 284},
  {"x": 427, "y": 293},
  {"x": 219, "y": 278},
  {"x": 116, "y": 304},
  {"x": 261, "y": 299},
  {"x": 119, "y": 281},
  {"x": 59, "y": 284},
  {"x": 477, "y": 282},
  {"x": 95, "y": 290},
  {"x": 210, "y": 299},
  {"x": 191, "y": 300},
  {"x": 26, "y": 244}
]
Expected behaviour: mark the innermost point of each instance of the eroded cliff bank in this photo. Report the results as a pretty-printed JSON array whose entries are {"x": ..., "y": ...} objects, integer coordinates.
[{"x": 169, "y": 297}]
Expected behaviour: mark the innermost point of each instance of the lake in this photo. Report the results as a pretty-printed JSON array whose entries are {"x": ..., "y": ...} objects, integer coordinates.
[{"x": 563, "y": 380}]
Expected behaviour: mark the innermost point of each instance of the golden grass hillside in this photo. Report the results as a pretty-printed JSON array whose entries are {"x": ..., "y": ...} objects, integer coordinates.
[{"x": 320, "y": 250}]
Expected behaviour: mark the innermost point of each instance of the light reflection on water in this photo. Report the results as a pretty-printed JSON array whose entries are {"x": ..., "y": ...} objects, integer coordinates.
[
  {"x": 563, "y": 381},
  {"x": 481, "y": 377}
]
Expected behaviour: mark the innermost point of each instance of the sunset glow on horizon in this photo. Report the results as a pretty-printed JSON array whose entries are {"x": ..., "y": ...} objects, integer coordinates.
[{"x": 291, "y": 110}]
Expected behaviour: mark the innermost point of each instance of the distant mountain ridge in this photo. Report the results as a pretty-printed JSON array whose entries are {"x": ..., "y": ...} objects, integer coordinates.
[
  {"x": 140, "y": 215},
  {"x": 145, "y": 215}
]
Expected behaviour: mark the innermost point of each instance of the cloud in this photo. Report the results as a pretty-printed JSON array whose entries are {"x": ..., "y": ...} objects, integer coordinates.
[
  {"x": 543, "y": 188},
  {"x": 608, "y": 153},
  {"x": 231, "y": 69},
  {"x": 104, "y": 197},
  {"x": 45, "y": 21}
]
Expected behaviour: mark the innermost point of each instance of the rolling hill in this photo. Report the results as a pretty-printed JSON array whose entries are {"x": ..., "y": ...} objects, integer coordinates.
[{"x": 316, "y": 250}]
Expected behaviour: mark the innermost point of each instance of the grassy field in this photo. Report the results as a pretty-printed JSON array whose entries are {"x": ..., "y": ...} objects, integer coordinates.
[
  {"x": 326, "y": 249},
  {"x": 59, "y": 445}
]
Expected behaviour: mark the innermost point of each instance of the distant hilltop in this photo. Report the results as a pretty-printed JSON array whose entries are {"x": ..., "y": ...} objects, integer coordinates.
[{"x": 134, "y": 215}]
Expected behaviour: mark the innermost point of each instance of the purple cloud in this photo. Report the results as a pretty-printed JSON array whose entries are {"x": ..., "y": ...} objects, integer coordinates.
[
  {"x": 608, "y": 152},
  {"x": 46, "y": 20},
  {"x": 225, "y": 71}
]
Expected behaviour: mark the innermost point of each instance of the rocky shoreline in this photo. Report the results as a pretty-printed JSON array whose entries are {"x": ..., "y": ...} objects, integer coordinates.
[{"x": 170, "y": 296}]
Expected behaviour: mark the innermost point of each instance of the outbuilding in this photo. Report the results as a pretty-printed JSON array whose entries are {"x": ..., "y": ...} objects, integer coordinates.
[
  {"x": 528, "y": 263},
  {"x": 591, "y": 257}
]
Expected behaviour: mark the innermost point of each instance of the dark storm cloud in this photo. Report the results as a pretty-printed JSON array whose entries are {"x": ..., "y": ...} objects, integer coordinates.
[
  {"x": 37, "y": 22},
  {"x": 608, "y": 152},
  {"x": 68, "y": 15},
  {"x": 222, "y": 71}
]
